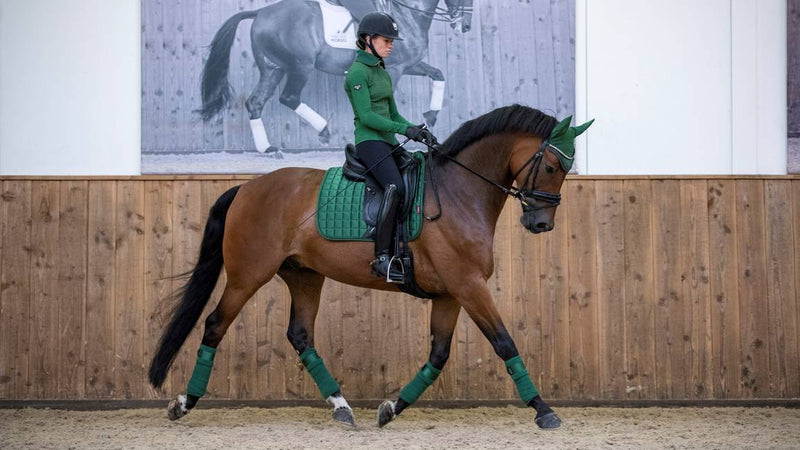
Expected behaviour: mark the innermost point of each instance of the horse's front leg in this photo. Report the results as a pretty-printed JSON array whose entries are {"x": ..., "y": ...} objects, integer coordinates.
[
  {"x": 477, "y": 302},
  {"x": 437, "y": 89},
  {"x": 444, "y": 315},
  {"x": 296, "y": 80},
  {"x": 305, "y": 287}
]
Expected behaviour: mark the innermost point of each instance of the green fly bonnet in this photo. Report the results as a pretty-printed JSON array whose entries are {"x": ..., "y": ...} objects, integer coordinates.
[{"x": 562, "y": 141}]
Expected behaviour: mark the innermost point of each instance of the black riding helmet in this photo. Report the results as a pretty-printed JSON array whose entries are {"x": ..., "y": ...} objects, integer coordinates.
[{"x": 378, "y": 23}]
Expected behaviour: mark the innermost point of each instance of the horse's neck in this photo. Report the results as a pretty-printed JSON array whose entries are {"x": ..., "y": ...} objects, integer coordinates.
[
  {"x": 489, "y": 157},
  {"x": 407, "y": 13}
]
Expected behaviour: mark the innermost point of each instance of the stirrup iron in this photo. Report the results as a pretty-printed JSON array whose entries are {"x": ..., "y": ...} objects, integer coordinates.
[{"x": 400, "y": 275}]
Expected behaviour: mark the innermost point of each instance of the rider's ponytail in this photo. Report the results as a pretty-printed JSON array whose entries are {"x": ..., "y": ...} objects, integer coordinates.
[{"x": 362, "y": 41}]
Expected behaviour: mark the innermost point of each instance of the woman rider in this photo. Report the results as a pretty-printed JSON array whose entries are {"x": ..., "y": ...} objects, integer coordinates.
[{"x": 369, "y": 88}]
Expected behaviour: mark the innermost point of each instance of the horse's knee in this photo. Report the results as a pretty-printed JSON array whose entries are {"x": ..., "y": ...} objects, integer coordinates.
[
  {"x": 437, "y": 75},
  {"x": 504, "y": 346},
  {"x": 292, "y": 101}
]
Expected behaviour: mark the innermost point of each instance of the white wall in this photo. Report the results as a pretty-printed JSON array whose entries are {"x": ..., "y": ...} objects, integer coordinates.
[
  {"x": 677, "y": 86},
  {"x": 682, "y": 86},
  {"x": 70, "y": 87}
]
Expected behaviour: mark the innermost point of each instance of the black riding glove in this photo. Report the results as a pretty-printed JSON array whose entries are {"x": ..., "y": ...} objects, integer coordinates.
[
  {"x": 414, "y": 133},
  {"x": 421, "y": 134},
  {"x": 427, "y": 136}
]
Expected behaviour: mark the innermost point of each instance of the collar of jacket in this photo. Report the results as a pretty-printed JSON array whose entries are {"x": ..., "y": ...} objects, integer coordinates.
[{"x": 367, "y": 58}]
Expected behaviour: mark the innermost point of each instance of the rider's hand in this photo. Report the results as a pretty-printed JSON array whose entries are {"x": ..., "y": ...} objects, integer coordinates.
[
  {"x": 414, "y": 133},
  {"x": 428, "y": 137}
]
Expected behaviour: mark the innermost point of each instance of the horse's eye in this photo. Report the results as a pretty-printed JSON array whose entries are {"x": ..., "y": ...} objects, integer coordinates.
[{"x": 550, "y": 169}]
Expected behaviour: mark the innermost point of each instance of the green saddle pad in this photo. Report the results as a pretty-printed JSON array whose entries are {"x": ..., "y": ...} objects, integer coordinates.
[{"x": 340, "y": 210}]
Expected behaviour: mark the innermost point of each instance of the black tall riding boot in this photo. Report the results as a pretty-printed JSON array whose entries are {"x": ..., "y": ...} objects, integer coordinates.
[{"x": 383, "y": 265}]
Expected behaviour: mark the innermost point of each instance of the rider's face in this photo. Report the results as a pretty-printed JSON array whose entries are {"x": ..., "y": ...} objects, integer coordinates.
[{"x": 383, "y": 45}]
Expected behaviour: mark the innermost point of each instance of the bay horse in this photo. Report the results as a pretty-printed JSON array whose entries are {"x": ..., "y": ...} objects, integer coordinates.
[
  {"x": 287, "y": 42},
  {"x": 259, "y": 230}
]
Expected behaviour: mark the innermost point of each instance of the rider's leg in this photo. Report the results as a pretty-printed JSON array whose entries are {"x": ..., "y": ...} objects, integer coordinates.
[{"x": 377, "y": 155}]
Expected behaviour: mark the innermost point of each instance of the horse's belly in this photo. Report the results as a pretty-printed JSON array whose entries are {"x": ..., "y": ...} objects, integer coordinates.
[{"x": 335, "y": 61}]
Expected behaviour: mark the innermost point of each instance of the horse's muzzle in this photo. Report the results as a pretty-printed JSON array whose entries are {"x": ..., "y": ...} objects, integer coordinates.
[{"x": 537, "y": 221}]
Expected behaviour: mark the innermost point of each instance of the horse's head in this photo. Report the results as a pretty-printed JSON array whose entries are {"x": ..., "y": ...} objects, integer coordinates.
[
  {"x": 539, "y": 173},
  {"x": 460, "y": 11}
]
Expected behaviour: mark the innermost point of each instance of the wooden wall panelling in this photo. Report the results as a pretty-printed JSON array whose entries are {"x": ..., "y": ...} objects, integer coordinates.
[
  {"x": 781, "y": 288},
  {"x": 129, "y": 367},
  {"x": 752, "y": 288},
  {"x": 158, "y": 270},
  {"x": 44, "y": 289},
  {"x": 693, "y": 261},
  {"x": 72, "y": 257},
  {"x": 100, "y": 290},
  {"x": 639, "y": 294},
  {"x": 610, "y": 228},
  {"x": 669, "y": 303},
  {"x": 583, "y": 308},
  {"x": 647, "y": 289},
  {"x": 554, "y": 273},
  {"x": 16, "y": 290},
  {"x": 724, "y": 268}
]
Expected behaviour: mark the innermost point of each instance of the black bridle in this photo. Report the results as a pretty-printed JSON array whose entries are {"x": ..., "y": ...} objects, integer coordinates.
[{"x": 550, "y": 199}]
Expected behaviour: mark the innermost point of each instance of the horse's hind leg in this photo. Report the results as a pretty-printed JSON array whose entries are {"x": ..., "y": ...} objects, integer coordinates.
[
  {"x": 444, "y": 315},
  {"x": 233, "y": 300},
  {"x": 305, "y": 287}
]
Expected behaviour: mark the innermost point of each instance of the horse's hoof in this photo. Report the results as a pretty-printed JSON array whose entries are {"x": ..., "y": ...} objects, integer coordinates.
[
  {"x": 274, "y": 153},
  {"x": 344, "y": 416},
  {"x": 325, "y": 135},
  {"x": 386, "y": 413},
  {"x": 177, "y": 408},
  {"x": 430, "y": 117},
  {"x": 549, "y": 421}
]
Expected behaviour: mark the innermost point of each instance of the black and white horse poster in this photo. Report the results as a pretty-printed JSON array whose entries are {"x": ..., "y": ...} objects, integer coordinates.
[{"x": 250, "y": 86}]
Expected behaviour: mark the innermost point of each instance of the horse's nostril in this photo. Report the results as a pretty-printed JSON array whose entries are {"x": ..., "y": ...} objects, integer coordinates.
[{"x": 543, "y": 226}]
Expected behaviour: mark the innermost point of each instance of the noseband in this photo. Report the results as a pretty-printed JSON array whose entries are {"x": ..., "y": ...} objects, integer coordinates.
[{"x": 551, "y": 200}]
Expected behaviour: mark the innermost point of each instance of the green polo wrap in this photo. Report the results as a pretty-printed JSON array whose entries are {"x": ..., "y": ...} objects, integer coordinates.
[
  {"x": 516, "y": 368},
  {"x": 325, "y": 382},
  {"x": 202, "y": 370},
  {"x": 425, "y": 377}
]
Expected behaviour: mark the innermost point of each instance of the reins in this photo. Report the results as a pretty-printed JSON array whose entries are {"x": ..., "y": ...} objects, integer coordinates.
[{"x": 551, "y": 200}]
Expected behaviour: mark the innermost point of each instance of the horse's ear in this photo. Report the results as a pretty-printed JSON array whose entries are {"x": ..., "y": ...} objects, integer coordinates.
[
  {"x": 581, "y": 128},
  {"x": 562, "y": 127}
]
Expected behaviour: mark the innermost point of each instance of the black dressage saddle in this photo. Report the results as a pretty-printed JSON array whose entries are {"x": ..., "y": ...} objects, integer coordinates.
[{"x": 355, "y": 170}]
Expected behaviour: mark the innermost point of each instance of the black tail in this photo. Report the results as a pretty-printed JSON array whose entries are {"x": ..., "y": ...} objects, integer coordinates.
[
  {"x": 194, "y": 294},
  {"x": 215, "y": 87}
]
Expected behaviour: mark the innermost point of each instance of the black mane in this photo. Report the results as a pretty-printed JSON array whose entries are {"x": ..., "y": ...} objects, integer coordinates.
[{"x": 506, "y": 119}]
